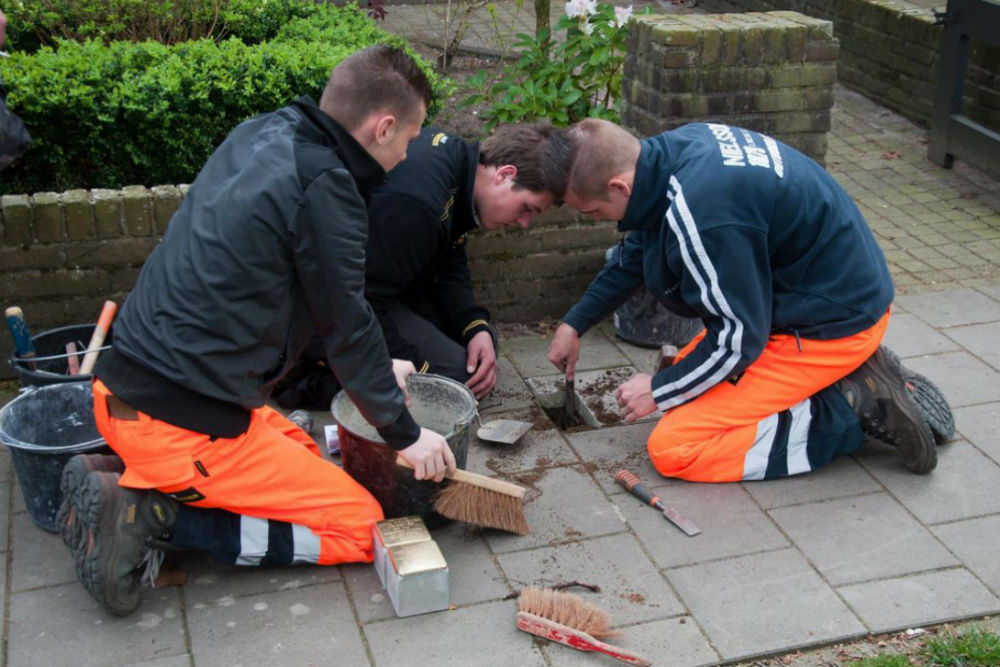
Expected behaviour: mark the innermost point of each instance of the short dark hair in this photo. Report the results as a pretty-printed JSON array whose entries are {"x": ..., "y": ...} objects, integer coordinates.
[
  {"x": 381, "y": 77},
  {"x": 538, "y": 151}
]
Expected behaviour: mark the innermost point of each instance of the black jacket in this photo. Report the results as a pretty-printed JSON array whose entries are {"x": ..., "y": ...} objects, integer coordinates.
[
  {"x": 267, "y": 247},
  {"x": 419, "y": 221}
]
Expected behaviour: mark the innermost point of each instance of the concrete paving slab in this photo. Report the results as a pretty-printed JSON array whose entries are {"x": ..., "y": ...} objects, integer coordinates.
[
  {"x": 980, "y": 340},
  {"x": 181, "y": 660},
  {"x": 975, "y": 542},
  {"x": 529, "y": 354},
  {"x": 482, "y": 635},
  {"x": 963, "y": 486},
  {"x": 951, "y": 307},
  {"x": 961, "y": 377},
  {"x": 909, "y": 336},
  {"x": 731, "y": 524},
  {"x": 371, "y": 602},
  {"x": 473, "y": 575},
  {"x": 979, "y": 426},
  {"x": 6, "y": 467},
  {"x": 607, "y": 450},
  {"x": 677, "y": 642},
  {"x": 841, "y": 478},
  {"x": 564, "y": 504},
  {"x": 209, "y": 580},
  {"x": 763, "y": 602},
  {"x": 861, "y": 538},
  {"x": 510, "y": 393},
  {"x": 632, "y": 590},
  {"x": 40, "y": 559},
  {"x": 536, "y": 449},
  {"x": 922, "y": 599},
  {"x": 644, "y": 359},
  {"x": 63, "y": 626},
  {"x": 6, "y": 488},
  {"x": 312, "y": 625},
  {"x": 992, "y": 291}
]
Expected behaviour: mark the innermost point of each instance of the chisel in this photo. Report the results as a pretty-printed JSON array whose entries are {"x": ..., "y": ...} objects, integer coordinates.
[{"x": 632, "y": 484}]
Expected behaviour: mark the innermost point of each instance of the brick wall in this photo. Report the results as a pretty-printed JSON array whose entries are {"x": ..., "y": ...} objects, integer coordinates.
[
  {"x": 63, "y": 254},
  {"x": 889, "y": 53},
  {"x": 771, "y": 72}
]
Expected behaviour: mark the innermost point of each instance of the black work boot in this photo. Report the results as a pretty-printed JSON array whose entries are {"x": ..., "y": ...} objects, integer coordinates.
[
  {"x": 120, "y": 527},
  {"x": 73, "y": 475},
  {"x": 930, "y": 401},
  {"x": 877, "y": 393}
]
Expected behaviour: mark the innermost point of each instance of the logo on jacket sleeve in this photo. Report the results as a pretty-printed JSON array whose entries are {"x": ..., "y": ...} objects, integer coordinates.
[{"x": 439, "y": 138}]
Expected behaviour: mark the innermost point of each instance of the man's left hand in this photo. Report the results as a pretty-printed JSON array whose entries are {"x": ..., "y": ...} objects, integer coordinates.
[
  {"x": 635, "y": 397},
  {"x": 482, "y": 363}
]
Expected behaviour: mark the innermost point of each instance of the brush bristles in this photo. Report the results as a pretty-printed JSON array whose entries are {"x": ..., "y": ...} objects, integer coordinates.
[
  {"x": 567, "y": 609},
  {"x": 482, "y": 507}
]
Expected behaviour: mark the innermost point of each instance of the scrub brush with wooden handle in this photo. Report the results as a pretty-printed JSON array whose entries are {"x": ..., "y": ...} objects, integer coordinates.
[
  {"x": 568, "y": 619},
  {"x": 480, "y": 500}
]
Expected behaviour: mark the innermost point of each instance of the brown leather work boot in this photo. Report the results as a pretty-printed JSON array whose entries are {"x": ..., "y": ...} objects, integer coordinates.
[{"x": 877, "y": 393}]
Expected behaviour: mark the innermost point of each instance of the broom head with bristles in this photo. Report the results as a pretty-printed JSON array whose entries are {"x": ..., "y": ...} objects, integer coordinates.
[
  {"x": 482, "y": 507},
  {"x": 566, "y": 609}
]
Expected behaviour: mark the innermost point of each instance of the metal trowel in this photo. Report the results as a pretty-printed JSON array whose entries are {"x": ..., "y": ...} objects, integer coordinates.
[{"x": 503, "y": 431}]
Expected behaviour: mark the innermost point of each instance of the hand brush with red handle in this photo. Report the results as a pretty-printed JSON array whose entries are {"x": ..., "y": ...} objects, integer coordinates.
[{"x": 568, "y": 619}]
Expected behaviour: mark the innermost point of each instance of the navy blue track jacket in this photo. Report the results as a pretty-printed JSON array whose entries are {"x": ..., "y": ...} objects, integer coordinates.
[{"x": 748, "y": 234}]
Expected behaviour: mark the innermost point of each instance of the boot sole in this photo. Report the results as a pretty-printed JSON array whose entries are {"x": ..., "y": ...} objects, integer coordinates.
[
  {"x": 930, "y": 401},
  {"x": 922, "y": 459},
  {"x": 73, "y": 476},
  {"x": 98, "y": 515}
]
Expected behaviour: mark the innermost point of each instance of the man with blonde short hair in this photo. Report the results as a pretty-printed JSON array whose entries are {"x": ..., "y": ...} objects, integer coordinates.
[{"x": 760, "y": 243}]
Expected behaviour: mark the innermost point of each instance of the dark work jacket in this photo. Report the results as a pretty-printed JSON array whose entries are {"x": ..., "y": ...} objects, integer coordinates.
[
  {"x": 267, "y": 247},
  {"x": 751, "y": 236},
  {"x": 419, "y": 221}
]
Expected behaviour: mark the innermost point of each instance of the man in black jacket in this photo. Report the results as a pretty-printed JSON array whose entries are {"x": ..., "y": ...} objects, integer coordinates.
[
  {"x": 267, "y": 248},
  {"x": 417, "y": 274}
]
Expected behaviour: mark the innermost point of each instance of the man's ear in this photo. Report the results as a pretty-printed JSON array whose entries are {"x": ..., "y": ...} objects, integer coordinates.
[
  {"x": 505, "y": 172},
  {"x": 385, "y": 128},
  {"x": 620, "y": 185}
]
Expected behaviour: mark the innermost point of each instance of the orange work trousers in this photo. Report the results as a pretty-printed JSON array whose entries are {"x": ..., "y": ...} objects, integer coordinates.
[
  {"x": 272, "y": 471},
  {"x": 781, "y": 417}
]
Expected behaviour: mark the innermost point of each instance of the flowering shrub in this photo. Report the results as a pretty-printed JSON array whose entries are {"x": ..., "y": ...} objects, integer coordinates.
[{"x": 563, "y": 81}]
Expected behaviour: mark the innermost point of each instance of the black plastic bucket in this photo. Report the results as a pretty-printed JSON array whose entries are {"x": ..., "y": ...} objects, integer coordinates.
[
  {"x": 436, "y": 403},
  {"x": 642, "y": 320},
  {"x": 43, "y": 429},
  {"x": 50, "y": 365}
]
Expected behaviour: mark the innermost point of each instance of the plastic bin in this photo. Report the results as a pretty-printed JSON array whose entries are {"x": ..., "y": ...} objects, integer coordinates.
[
  {"x": 50, "y": 364},
  {"x": 436, "y": 403},
  {"x": 44, "y": 428}
]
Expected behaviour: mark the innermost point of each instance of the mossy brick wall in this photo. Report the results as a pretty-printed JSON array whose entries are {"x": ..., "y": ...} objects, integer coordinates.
[
  {"x": 889, "y": 53},
  {"x": 63, "y": 254},
  {"x": 771, "y": 72}
]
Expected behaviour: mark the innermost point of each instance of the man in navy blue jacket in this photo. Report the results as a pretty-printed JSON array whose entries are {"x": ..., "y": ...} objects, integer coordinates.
[{"x": 762, "y": 244}]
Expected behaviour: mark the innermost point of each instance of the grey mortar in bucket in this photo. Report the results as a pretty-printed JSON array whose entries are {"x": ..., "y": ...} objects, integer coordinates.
[
  {"x": 43, "y": 429},
  {"x": 436, "y": 403}
]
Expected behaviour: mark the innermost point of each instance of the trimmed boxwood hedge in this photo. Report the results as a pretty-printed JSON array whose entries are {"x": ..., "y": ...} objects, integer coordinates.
[{"x": 123, "y": 113}]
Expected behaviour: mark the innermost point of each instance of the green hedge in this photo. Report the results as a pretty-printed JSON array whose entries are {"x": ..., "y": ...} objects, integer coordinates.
[
  {"x": 36, "y": 23},
  {"x": 145, "y": 113}
]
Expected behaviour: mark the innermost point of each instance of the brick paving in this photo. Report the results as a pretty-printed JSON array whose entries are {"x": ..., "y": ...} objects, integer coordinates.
[{"x": 861, "y": 546}]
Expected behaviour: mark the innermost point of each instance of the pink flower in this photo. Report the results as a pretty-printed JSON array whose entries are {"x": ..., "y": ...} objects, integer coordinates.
[
  {"x": 622, "y": 15},
  {"x": 580, "y": 8}
]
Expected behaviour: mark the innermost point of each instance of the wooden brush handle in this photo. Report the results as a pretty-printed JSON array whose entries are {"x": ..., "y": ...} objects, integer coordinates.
[
  {"x": 557, "y": 632},
  {"x": 97, "y": 339},
  {"x": 473, "y": 479}
]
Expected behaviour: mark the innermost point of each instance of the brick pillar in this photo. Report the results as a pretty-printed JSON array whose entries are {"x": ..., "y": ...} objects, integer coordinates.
[{"x": 772, "y": 72}]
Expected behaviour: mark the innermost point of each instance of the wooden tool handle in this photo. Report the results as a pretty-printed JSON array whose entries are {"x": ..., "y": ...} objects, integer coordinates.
[
  {"x": 482, "y": 481},
  {"x": 19, "y": 332},
  {"x": 557, "y": 632},
  {"x": 97, "y": 339}
]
